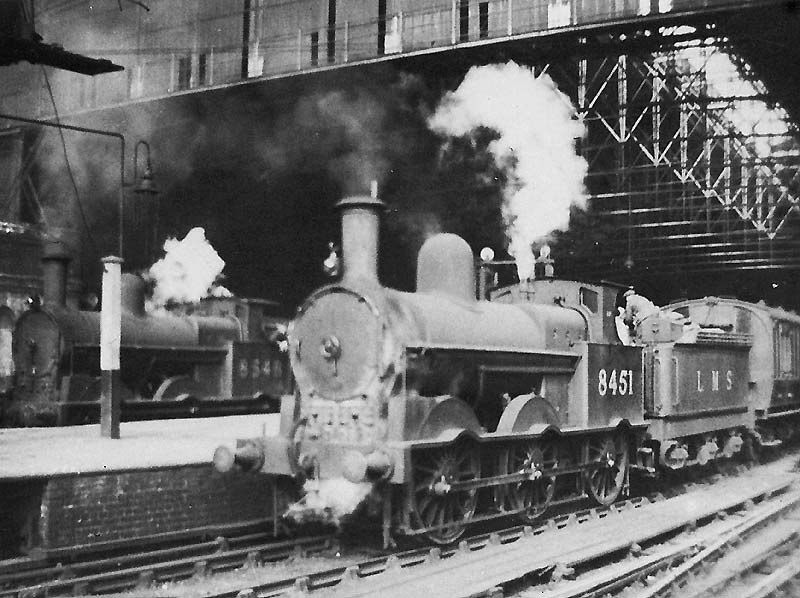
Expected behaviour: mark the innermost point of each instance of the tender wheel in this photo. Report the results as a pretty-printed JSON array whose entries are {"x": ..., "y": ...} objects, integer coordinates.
[
  {"x": 607, "y": 466},
  {"x": 537, "y": 460},
  {"x": 435, "y": 503}
]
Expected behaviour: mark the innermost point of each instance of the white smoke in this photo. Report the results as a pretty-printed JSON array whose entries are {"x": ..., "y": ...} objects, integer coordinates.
[
  {"x": 328, "y": 500},
  {"x": 538, "y": 126},
  {"x": 188, "y": 271}
]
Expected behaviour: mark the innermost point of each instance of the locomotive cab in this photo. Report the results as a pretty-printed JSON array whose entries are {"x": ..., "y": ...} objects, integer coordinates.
[{"x": 595, "y": 302}]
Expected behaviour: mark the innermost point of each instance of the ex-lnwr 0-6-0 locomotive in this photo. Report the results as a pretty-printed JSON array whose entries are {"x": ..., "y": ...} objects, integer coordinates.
[{"x": 457, "y": 409}]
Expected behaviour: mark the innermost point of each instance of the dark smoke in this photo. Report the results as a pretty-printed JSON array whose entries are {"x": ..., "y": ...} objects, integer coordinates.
[{"x": 260, "y": 166}]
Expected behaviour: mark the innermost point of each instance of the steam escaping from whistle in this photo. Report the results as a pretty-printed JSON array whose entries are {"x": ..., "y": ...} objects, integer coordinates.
[
  {"x": 328, "y": 501},
  {"x": 537, "y": 127},
  {"x": 188, "y": 271}
]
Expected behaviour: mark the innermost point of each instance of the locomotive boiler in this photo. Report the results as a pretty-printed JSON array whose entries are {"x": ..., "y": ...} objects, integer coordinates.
[
  {"x": 222, "y": 358},
  {"x": 455, "y": 409}
]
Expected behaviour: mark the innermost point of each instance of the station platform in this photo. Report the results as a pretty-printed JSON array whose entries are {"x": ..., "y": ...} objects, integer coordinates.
[
  {"x": 65, "y": 491},
  {"x": 27, "y": 453}
]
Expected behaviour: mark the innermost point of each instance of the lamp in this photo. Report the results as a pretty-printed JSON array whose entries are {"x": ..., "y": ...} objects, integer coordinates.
[
  {"x": 143, "y": 209},
  {"x": 629, "y": 262},
  {"x": 146, "y": 185},
  {"x": 484, "y": 272}
]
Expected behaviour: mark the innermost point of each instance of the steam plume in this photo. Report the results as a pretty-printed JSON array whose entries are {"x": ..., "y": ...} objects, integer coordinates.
[
  {"x": 188, "y": 272},
  {"x": 537, "y": 126},
  {"x": 328, "y": 500}
]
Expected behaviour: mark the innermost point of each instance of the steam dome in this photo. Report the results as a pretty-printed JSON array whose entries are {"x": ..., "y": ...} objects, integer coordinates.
[{"x": 445, "y": 265}]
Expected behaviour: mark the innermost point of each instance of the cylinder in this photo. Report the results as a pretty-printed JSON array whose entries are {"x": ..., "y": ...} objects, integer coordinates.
[
  {"x": 360, "y": 230},
  {"x": 55, "y": 261}
]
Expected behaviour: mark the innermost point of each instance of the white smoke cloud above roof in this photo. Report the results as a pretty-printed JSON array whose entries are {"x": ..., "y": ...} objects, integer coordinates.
[
  {"x": 538, "y": 126},
  {"x": 188, "y": 271}
]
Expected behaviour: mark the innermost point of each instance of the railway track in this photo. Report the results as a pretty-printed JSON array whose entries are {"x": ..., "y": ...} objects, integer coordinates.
[
  {"x": 515, "y": 559},
  {"x": 200, "y": 562},
  {"x": 332, "y": 578},
  {"x": 144, "y": 569},
  {"x": 681, "y": 565},
  {"x": 757, "y": 559},
  {"x": 199, "y": 567}
]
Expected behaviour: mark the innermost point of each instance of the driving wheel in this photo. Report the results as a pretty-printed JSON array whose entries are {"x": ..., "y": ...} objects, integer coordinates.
[{"x": 439, "y": 506}]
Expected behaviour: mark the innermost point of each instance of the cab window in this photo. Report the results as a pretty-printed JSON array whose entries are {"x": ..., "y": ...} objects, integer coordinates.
[{"x": 588, "y": 299}]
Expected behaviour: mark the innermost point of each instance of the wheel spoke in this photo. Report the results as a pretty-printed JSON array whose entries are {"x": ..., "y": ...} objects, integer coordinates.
[
  {"x": 439, "y": 520},
  {"x": 424, "y": 503},
  {"x": 431, "y": 469},
  {"x": 430, "y": 517}
]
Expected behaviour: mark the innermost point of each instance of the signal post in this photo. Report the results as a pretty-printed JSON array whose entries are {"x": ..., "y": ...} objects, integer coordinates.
[{"x": 110, "y": 340}]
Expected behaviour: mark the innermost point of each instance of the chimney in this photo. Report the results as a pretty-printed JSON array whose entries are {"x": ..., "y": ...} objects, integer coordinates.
[
  {"x": 360, "y": 226},
  {"x": 55, "y": 261}
]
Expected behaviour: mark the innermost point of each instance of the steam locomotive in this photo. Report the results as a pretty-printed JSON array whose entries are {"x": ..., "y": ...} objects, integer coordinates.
[
  {"x": 455, "y": 409},
  {"x": 219, "y": 356}
]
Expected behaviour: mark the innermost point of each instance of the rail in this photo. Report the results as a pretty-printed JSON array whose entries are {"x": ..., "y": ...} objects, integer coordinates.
[{"x": 137, "y": 570}]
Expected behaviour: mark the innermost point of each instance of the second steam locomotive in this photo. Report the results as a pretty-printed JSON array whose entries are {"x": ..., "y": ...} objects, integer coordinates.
[
  {"x": 214, "y": 357},
  {"x": 453, "y": 409}
]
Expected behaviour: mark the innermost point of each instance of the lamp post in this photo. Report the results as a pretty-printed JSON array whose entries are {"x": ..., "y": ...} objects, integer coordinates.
[{"x": 147, "y": 192}]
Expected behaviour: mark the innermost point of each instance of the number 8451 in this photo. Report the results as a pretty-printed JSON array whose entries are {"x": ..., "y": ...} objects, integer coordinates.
[{"x": 615, "y": 382}]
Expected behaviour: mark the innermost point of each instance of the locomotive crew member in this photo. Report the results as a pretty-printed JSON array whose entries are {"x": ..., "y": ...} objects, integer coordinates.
[
  {"x": 543, "y": 265},
  {"x": 637, "y": 308}
]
